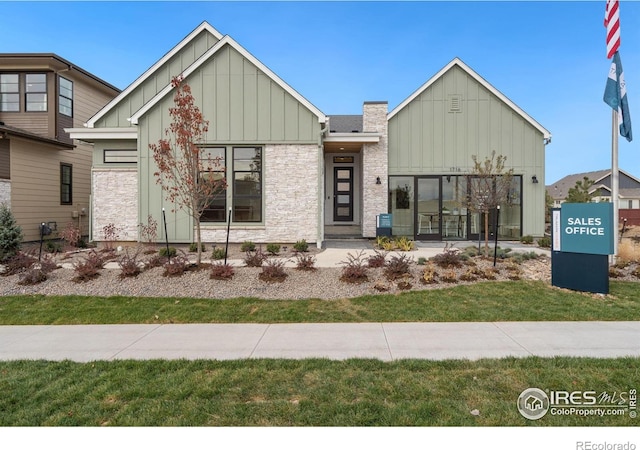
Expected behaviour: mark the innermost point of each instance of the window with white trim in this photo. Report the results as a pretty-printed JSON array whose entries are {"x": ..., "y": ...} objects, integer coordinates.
[{"x": 36, "y": 91}]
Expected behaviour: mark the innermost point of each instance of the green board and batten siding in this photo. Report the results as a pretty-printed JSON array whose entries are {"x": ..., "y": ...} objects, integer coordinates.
[
  {"x": 243, "y": 107},
  {"x": 118, "y": 116},
  {"x": 426, "y": 138}
]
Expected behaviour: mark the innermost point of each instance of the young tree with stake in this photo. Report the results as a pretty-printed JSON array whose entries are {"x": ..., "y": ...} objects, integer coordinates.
[{"x": 188, "y": 175}]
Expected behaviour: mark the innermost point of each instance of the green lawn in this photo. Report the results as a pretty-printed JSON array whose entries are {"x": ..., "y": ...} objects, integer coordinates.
[
  {"x": 490, "y": 301},
  {"x": 300, "y": 393}
]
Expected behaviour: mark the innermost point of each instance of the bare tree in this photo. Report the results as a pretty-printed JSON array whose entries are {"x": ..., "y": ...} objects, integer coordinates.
[
  {"x": 190, "y": 177},
  {"x": 490, "y": 185}
]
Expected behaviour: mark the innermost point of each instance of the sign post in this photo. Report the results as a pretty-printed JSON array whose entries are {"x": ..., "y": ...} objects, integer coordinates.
[{"x": 582, "y": 240}]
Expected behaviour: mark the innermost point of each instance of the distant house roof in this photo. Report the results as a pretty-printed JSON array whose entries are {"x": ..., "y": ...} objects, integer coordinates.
[
  {"x": 457, "y": 62},
  {"x": 560, "y": 189},
  {"x": 345, "y": 124}
]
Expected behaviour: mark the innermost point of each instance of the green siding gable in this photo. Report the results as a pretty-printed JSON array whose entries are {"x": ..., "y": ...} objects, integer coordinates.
[
  {"x": 118, "y": 116},
  {"x": 242, "y": 105},
  {"x": 427, "y": 137}
]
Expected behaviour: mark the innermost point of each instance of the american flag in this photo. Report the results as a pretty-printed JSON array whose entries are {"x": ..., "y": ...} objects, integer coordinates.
[{"x": 612, "y": 23}]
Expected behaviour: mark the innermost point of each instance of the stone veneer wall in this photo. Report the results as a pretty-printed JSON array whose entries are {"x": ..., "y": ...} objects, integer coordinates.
[
  {"x": 115, "y": 200},
  {"x": 375, "y": 163},
  {"x": 5, "y": 192},
  {"x": 291, "y": 180}
]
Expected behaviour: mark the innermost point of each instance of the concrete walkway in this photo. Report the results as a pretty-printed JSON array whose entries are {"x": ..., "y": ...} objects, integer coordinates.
[{"x": 384, "y": 341}]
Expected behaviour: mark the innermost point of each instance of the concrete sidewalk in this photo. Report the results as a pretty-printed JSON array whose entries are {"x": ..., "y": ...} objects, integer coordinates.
[{"x": 384, "y": 341}]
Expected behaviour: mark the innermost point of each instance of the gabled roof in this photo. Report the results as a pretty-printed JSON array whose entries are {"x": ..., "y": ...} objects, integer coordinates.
[
  {"x": 479, "y": 79},
  {"x": 560, "y": 189},
  {"x": 228, "y": 40},
  {"x": 142, "y": 78},
  {"x": 223, "y": 40}
]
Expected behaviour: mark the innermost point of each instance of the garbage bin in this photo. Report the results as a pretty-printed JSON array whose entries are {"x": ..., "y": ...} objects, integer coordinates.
[{"x": 383, "y": 225}]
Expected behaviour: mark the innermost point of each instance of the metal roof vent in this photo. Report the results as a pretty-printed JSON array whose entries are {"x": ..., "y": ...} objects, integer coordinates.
[{"x": 455, "y": 103}]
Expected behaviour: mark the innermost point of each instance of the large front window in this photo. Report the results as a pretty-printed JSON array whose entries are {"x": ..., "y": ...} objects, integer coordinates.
[{"x": 244, "y": 184}]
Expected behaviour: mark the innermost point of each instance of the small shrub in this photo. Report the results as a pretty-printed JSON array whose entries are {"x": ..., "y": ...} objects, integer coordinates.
[
  {"x": 193, "y": 247},
  {"x": 19, "y": 262},
  {"x": 129, "y": 265},
  {"x": 31, "y": 276},
  {"x": 429, "y": 274},
  {"x": 469, "y": 275},
  {"x": 354, "y": 270},
  {"x": 380, "y": 241},
  {"x": 47, "y": 264},
  {"x": 488, "y": 274},
  {"x": 248, "y": 246},
  {"x": 89, "y": 267},
  {"x": 110, "y": 234},
  {"x": 52, "y": 246},
  {"x": 381, "y": 286},
  {"x": 176, "y": 267},
  {"x": 397, "y": 267},
  {"x": 305, "y": 262},
  {"x": 528, "y": 239},
  {"x": 450, "y": 257},
  {"x": 273, "y": 249},
  {"x": 544, "y": 242},
  {"x": 71, "y": 234},
  {"x": 520, "y": 257},
  {"x": 221, "y": 271},
  {"x": 502, "y": 253},
  {"x": 405, "y": 283},
  {"x": 273, "y": 271},
  {"x": 470, "y": 251},
  {"x": 163, "y": 252},
  {"x": 422, "y": 261},
  {"x": 301, "y": 246},
  {"x": 378, "y": 259},
  {"x": 628, "y": 251},
  {"x": 254, "y": 258},
  {"x": 614, "y": 273},
  {"x": 449, "y": 276},
  {"x": 156, "y": 260},
  {"x": 404, "y": 244},
  {"x": 636, "y": 272},
  {"x": 388, "y": 246},
  {"x": 218, "y": 253},
  {"x": 149, "y": 232}
]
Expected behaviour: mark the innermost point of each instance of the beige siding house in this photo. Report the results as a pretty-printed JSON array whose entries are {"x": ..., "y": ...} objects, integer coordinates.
[
  {"x": 44, "y": 174},
  {"x": 295, "y": 173}
]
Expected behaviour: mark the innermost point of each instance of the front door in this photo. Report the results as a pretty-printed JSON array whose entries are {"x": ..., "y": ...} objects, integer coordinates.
[{"x": 343, "y": 194}]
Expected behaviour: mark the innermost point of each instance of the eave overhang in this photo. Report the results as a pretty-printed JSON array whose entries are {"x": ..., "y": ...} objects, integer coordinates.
[{"x": 94, "y": 134}]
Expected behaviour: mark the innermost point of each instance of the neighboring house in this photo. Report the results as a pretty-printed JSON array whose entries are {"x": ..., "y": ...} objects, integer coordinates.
[
  {"x": 293, "y": 172},
  {"x": 44, "y": 175},
  {"x": 628, "y": 188}
]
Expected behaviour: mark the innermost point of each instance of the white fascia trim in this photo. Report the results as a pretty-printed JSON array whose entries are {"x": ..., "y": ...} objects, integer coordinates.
[
  {"x": 208, "y": 54},
  {"x": 142, "y": 78},
  {"x": 353, "y": 137},
  {"x": 457, "y": 61},
  {"x": 89, "y": 134}
]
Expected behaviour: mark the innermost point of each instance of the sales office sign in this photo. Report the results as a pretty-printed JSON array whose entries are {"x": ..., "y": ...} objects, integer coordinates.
[{"x": 583, "y": 228}]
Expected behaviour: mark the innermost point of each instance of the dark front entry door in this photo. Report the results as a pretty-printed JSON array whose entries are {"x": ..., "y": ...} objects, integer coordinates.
[{"x": 343, "y": 194}]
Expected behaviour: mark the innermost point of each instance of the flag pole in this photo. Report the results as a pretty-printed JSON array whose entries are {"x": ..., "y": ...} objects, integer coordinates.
[{"x": 615, "y": 198}]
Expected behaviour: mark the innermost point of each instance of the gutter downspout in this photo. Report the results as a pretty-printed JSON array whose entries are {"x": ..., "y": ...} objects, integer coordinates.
[{"x": 320, "y": 233}]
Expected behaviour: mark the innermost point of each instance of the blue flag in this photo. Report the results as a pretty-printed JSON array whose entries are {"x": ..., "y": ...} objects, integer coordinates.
[{"x": 615, "y": 95}]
